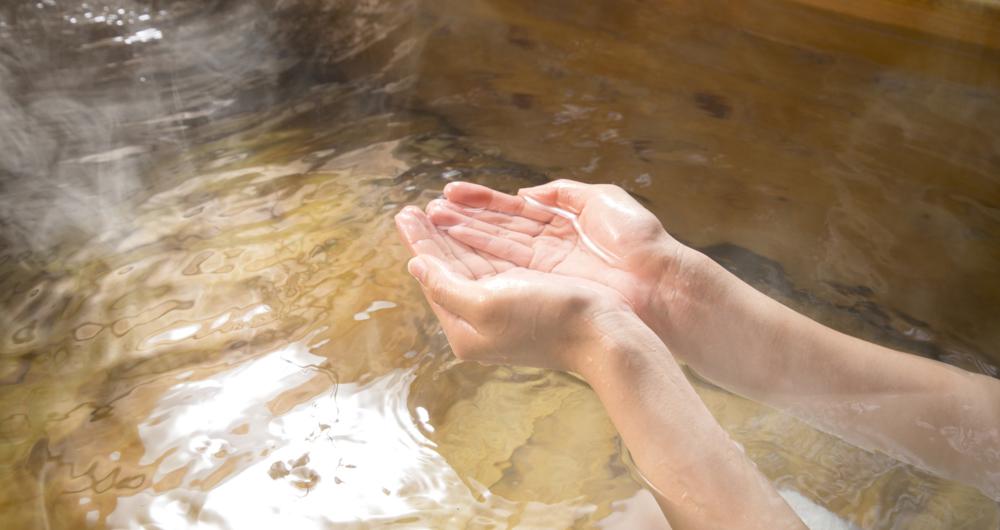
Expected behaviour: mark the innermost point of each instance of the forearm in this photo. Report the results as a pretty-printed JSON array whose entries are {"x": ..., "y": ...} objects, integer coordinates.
[
  {"x": 924, "y": 412},
  {"x": 701, "y": 478}
]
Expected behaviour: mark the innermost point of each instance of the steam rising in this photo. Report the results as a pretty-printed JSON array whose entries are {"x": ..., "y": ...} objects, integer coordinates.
[{"x": 92, "y": 94}]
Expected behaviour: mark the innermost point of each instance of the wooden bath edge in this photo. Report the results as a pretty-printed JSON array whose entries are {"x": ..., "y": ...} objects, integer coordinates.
[{"x": 975, "y": 22}]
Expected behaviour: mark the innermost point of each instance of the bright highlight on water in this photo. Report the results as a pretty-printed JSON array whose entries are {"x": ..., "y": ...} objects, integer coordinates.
[{"x": 205, "y": 318}]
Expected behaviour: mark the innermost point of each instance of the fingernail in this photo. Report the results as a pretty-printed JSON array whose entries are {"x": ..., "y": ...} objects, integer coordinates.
[
  {"x": 403, "y": 221},
  {"x": 436, "y": 204},
  {"x": 418, "y": 269}
]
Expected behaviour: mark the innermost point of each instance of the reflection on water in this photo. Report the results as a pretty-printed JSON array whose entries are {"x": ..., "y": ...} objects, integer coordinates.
[{"x": 207, "y": 322}]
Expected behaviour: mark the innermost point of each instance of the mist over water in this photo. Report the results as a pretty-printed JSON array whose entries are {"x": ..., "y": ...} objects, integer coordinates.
[
  {"x": 206, "y": 320},
  {"x": 92, "y": 93}
]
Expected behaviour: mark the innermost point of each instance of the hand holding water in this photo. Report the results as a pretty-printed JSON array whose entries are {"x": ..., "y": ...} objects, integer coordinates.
[
  {"x": 496, "y": 311},
  {"x": 595, "y": 232},
  {"x": 498, "y": 306},
  {"x": 735, "y": 336}
]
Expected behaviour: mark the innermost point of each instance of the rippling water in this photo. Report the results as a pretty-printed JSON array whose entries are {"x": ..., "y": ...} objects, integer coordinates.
[{"x": 207, "y": 322}]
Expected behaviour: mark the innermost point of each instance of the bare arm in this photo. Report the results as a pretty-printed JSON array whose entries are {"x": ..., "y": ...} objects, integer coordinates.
[
  {"x": 493, "y": 311},
  {"x": 924, "y": 412},
  {"x": 932, "y": 415},
  {"x": 701, "y": 479}
]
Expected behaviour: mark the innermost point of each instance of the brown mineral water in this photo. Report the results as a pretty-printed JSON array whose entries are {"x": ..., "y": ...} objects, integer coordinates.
[{"x": 206, "y": 320}]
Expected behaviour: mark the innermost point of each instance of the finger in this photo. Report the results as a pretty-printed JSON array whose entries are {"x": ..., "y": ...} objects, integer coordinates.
[
  {"x": 465, "y": 340},
  {"x": 445, "y": 287},
  {"x": 479, "y": 266},
  {"x": 418, "y": 237},
  {"x": 479, "y": 263},
  {"x": 476, "y": 196},
  {"x": 516, "y": 253},
  {"x": 567, "y": 194},
  {"x": 443, "y": 216},
  {"x": 462, "y": 335},
  {"x": 424, "y": 239},
  {"x": 514, "y": 223}
]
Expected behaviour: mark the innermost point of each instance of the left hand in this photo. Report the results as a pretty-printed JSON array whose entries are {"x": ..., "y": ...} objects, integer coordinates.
[{"x": 494, "y": 311}]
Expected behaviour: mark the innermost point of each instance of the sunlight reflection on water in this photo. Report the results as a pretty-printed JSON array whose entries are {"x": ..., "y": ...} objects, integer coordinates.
[
  {"x": 349, "y": 455},
  {"x": 207, "y": 321}
]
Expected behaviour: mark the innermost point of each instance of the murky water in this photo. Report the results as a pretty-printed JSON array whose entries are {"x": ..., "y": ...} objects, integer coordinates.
[{"x": 206, "y": 318}]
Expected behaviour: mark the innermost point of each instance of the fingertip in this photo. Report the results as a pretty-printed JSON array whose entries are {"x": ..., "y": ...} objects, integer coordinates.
[
  {"x": 413, "y": 226},
  {"x": 441, "y": 215},
  {"x": 417, "y": 268},
  {"x": 436, "y": 204},
  {"x": 467, "y": 193},
  {"x": 408, "y": 215},
  {"x": 456, "y": 189},
  {"x": 404, "y": 223}
]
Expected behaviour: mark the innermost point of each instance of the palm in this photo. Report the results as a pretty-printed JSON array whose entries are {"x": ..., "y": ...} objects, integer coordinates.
[
  {"x": 493, "y": 310},
  {"x": 555, "y": 253},
  {"x": 532, "y": 237},
  {"x": 425, "y": 239}
]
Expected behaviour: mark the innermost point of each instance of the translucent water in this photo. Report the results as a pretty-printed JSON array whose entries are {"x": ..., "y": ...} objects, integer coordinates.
[
  {"x": 573, "y": 218},
  {"x": 206, "y": 319}
]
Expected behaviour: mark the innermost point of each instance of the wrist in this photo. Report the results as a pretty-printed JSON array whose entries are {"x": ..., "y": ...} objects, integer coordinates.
[
  {"x": 704, "y": 313},
  {"x": 681, "y": 280},
  {"x": 616, "y": 338}
]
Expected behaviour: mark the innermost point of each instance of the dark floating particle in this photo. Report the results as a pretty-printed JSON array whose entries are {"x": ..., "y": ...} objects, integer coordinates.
[{"x": 713, "y": 104}]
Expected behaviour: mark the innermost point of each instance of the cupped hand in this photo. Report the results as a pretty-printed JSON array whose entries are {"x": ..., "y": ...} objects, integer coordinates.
[
  {"x": 493, "y": 310},
  {"x": 546, "y": 228}
]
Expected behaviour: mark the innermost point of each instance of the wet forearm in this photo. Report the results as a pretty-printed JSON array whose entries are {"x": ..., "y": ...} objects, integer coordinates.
[
  {"x": 701, "y": 478},
  {"x": 872, "y": 396}
]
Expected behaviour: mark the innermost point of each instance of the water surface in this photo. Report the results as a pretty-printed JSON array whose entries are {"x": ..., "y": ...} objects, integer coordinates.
[{"x": 206, "y": 318}]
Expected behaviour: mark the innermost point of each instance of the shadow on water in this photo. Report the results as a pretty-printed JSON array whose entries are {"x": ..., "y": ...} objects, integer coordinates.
[{"x": 206, "y": 320}]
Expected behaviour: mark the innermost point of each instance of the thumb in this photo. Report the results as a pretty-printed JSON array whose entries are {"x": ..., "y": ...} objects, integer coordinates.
[
  {"x": 445, "y": 287},
  {"x": 566, "y": 194}
]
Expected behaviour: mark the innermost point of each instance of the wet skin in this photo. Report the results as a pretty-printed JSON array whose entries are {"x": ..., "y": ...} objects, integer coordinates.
[
  {"x": 496, "y": 310},
  {"x": 872, "y": 396}
]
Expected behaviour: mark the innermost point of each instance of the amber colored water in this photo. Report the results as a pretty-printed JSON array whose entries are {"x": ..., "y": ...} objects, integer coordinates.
[{"x": 206, "y": 321}]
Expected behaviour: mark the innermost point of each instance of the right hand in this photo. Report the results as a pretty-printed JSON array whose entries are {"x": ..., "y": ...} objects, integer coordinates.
[{"x": 645, "y": 259}]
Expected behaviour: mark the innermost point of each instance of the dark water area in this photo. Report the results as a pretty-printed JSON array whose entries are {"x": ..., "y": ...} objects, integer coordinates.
[{"x": 206, "y": 321}]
